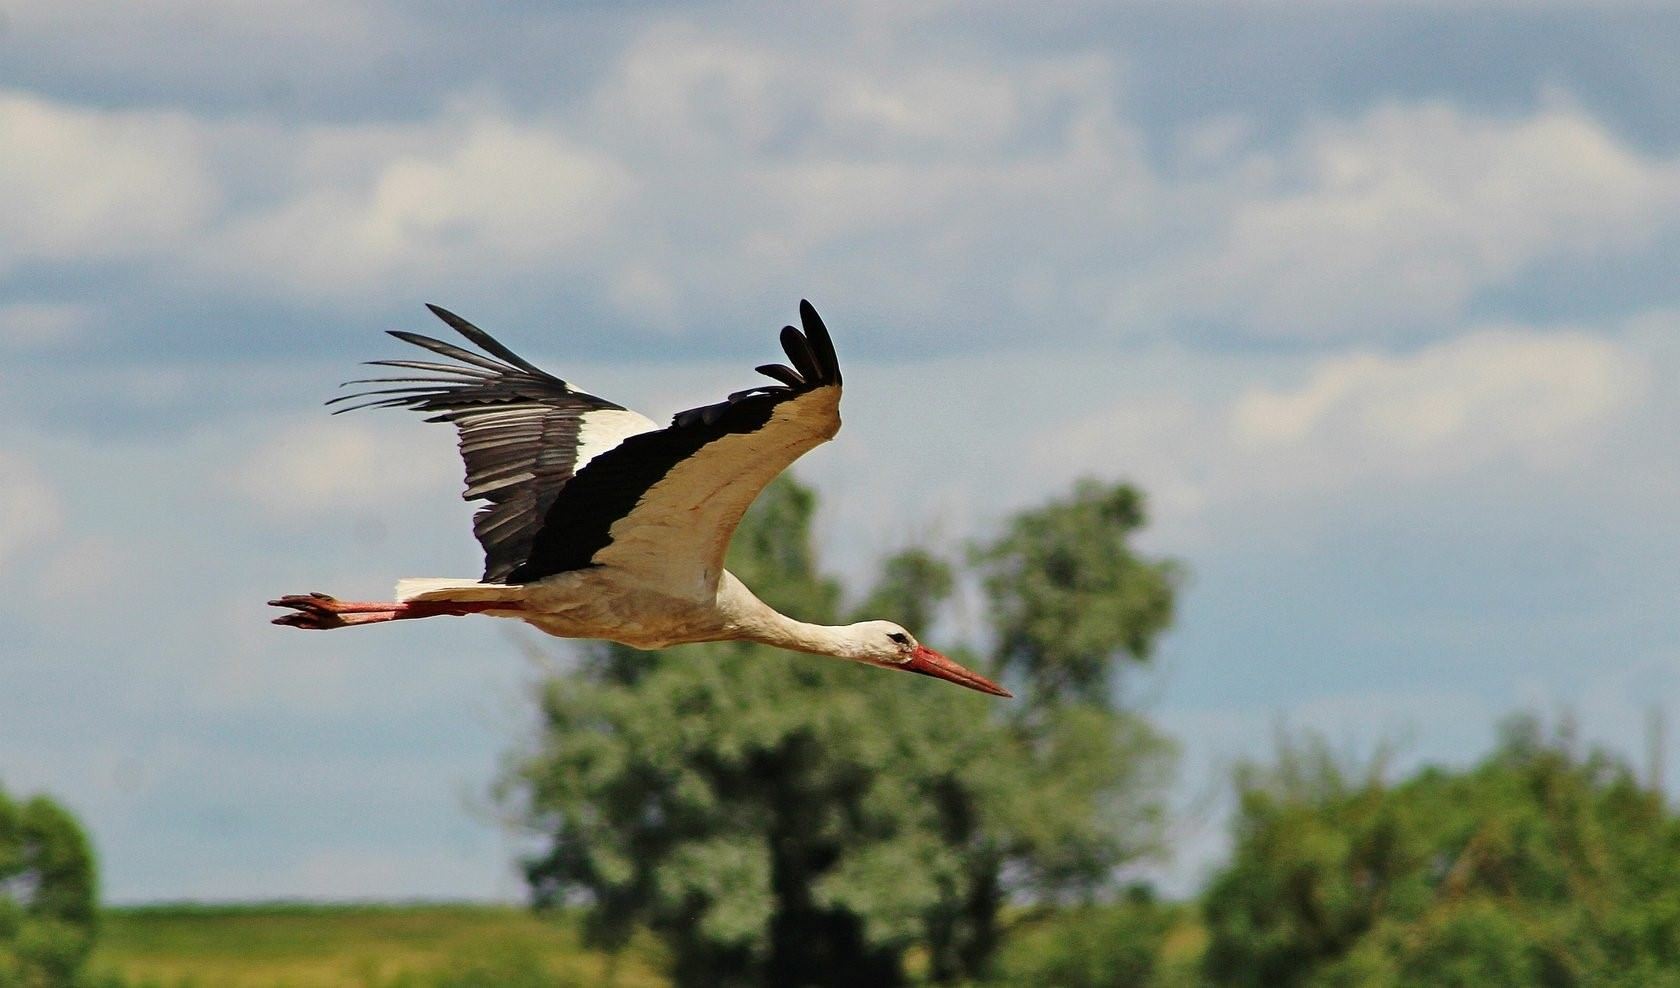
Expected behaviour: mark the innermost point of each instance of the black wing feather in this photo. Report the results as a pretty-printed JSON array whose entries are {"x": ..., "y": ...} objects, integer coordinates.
[
  {"x": 518, "y": 430},
  {"x": 519, "y": 427},
  {"x": 579, "y": 522},
  {"x": 781, "y": 372},
  {"x": 816, "y": 332},
  {"x": 799, "y": 352},
  {"x": 814, "y": 359},
  {"x": 484, "y": 341},
  {"x": 449, "y": 350}
]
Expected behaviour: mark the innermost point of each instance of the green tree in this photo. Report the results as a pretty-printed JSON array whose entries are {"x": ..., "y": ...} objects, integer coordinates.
[
  {"x": 792, "y": 821},
  {"x": 1538, "y": 866},
  {"x": 47, "y": 895},
  {"x": 1114, "y": 944},
  {"x": 1069, "y": 597}
]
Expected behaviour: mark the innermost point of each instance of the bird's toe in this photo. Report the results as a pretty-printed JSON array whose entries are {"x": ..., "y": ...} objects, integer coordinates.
[
  {"x": 310, "y": 620},
  {"x": 303, "y": 601},
  {"x": 313, "y": 611}
]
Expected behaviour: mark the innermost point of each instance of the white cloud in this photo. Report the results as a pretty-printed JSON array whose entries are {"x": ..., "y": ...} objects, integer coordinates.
[
  {"x": 312, "y": 467},
  {"x": 32, "y": 513},
  {"x": 1016, "y": 191},
  {"x": 936, "y": 189},
  {"x": 1392, "y": 222},
  {"x": 273, "y": 20},
  {"x": 749, "y": 99},
  {"x": 84, "y": 183},
  {"x": 704, "y": 168},
  {"x": 1489, "y": 396},
  {"x": 970, "y": 191},
  {"x": 30, "y": 325},
  {"x": 487, "y": 196},
  {"x": 1494, "y": 407},
  {"x": 202, "y": 49}
]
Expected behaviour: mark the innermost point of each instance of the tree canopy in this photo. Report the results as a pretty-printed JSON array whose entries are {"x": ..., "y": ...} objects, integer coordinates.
[
  {"x": 792, "y": 820},
  {"x": 48, "y": 907},
  {"x": 1540, "y": 865},
  {"x": 1069, "y": 596}
]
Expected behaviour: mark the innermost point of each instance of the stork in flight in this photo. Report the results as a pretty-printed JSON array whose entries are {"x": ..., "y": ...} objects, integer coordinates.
[{"x": 601, "y": 524}]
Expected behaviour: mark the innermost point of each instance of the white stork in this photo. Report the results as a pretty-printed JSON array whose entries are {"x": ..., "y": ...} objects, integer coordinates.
[{"x": 601, "y": 524}]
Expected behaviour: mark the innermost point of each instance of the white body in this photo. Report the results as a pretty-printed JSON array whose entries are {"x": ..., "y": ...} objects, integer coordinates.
[{"x": 611, "y": 604}]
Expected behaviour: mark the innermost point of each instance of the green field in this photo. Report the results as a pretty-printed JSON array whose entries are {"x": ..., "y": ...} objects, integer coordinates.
[
  {"x": 447, "y": 946},
  {"x": 373, "y": 946}
]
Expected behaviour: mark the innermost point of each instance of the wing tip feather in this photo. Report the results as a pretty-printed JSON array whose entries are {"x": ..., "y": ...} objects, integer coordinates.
[{"x": 822, "y": 344}]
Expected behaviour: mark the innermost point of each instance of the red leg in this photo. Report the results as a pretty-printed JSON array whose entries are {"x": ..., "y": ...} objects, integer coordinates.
[
  {"x": 318, "y": 611},
  {"x": 345, "y": 620}
]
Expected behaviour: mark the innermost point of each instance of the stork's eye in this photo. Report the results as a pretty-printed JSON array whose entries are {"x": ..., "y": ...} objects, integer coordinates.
[{"x": 899, "y": 637}]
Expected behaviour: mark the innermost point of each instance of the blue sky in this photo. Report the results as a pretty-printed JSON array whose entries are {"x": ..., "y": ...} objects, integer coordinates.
[{"x": 1376, "y": 301}]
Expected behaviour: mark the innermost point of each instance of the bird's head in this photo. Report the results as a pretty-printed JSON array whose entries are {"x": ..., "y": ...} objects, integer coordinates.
[{"x": 885, "y": 644}]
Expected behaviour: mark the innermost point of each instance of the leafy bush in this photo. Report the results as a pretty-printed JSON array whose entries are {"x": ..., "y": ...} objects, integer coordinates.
[
  {"x": 47, "y": 895},
  {"x": 1099, "y": 946},
  {"x": 1539, "y": 866}
]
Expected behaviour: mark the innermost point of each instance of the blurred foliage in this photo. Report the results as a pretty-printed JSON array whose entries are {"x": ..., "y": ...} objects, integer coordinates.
[
  {"x": 1538, "y": 866},
  {"x": 1136, "y": 942},
  {"x": 911, "y": 587},
  {"x": 1068, "y": 595},
  {"x": 48, "y": 906},
  {"x": 792, "y": 820}
]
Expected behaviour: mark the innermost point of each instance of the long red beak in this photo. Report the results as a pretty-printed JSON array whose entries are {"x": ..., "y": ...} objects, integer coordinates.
[{"x": 930, "y": 663}]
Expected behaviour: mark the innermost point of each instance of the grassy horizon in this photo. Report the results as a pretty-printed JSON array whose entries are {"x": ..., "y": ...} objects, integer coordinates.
[{"x": 293, "y": 944}]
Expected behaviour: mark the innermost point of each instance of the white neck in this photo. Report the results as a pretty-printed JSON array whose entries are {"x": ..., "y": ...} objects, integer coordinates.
[{"x": 751, "y": 619}]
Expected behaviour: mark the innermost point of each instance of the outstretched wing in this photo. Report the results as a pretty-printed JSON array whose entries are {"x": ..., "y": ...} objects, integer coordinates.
[
  {"x": 524, "y": 434},
  {"x": 664, "y": 504}
]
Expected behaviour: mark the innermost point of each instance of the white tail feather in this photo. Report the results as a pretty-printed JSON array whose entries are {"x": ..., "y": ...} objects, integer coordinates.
[{"x": 445, "y": 588}]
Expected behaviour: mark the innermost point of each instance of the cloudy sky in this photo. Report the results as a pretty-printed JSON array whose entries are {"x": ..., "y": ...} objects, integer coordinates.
[{"x": 1376, "y": 301}]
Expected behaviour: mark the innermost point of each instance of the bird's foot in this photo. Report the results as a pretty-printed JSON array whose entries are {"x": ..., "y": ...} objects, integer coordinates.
[
  {"x": 313, "y": 611},
  {"x": 319, "y": 611}
]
